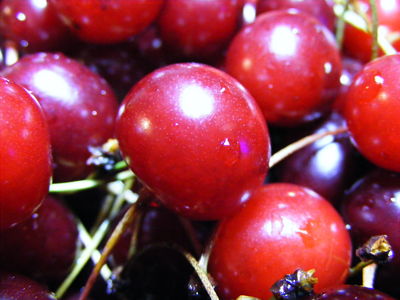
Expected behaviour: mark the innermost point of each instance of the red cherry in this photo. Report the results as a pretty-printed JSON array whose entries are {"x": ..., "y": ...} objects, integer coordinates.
[
  {"x": 79, "y": 105},
  {"x": 108, "y": 21},
  {"x": 42, "y": 247},
  {"x": 33, "y": 24},
  {"x": 199, "y": 28},
  {"x": 371, "y": 112},
  {"x": 358, "y": 44},
  {"x": 319, "y": 9},
  {"x": 25, "y": 160},
  {"x": 282, "y": 228},
  {"x": 290, "y": 64},
  {"x": 196, "y": 138}
]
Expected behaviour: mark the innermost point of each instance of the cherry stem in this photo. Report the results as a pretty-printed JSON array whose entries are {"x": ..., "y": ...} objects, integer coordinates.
[
  {"x": 125, "y": 222},
  {"x": 201, "y": 273},
  {"x": 304, "y": 142},
  {"x": 74, "y": 186},
  {"x": 83, "y": 259},
  {"x": 341, "y": 24},
  {"x": 360, "y": 266},
  {"x": 368, "y": 275},
  {"x": 374, "y": 29},
  {"x": 188, "y": 227}
]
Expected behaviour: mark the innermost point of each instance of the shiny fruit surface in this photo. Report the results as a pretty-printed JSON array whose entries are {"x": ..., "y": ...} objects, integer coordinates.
[
  {"x": 195, "y": 137},
  {"x": 108, "y": 21},
  {"x": 371, "y": 112},
  {"x": 25, "y": 158},
  {"x": 283, "y": 227},
  {"x": 289, "y": 62},
  {"x": 79, "y": 105}
]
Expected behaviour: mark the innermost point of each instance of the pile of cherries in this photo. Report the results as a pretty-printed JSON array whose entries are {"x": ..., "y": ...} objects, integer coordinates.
[{"x": 145, "y": 129}]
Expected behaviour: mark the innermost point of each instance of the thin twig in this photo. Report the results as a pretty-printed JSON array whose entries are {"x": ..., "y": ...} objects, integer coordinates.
[
  {"x": 374, "y": 29},
  {"x": 288, "y": 150}
]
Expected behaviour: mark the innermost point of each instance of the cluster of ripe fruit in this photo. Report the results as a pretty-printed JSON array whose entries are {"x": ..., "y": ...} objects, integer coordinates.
[{"x": 190, "y": 97}]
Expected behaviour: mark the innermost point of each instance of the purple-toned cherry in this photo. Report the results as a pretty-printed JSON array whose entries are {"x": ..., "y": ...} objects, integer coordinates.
[
  {"x": 18, "y": 287},
  {"x": 351, "y": 292},
  {"x": 42, "y": 247}
]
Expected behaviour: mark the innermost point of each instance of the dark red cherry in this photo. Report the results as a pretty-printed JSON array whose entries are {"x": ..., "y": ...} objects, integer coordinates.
[
  {"x": 372, "y": 207},
  {"x": 25, "y": 159},
  {"x": 327, "y": 166},
  {"x": 197, "y": 28},
  {"x": 108, "y": 21},
  {"x": 79, "y": 105},
  {"x": 358, "y": 44},
  {"x": 352, "y": 292},
  {"x": 34, "y": 25},
  {"x": 282, "y": 228},
  {"x": 371, "y": 112},
  {"x": 195, "y": 137},
  {"x": 319, "y": 9},
  {"x": 290, "y": 64},
  {"x": 42, "y": 247},
  {"x": 18, "y": 287}
]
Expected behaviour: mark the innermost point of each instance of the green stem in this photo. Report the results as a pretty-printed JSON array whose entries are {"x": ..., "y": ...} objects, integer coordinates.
[
  {"x": 341, "y": 24},
  {"x": 358, "y": 268},
  {"x": 374, "y": 30},
  {"x": 74, "y": 186}
]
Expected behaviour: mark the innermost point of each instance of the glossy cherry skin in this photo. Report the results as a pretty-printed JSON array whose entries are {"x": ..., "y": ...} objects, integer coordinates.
[
  {"x": 42, "y": 247},
  {"x": 372, "y": 207},
  {"x": 33, "y": 25},
  {"x": 320, "y": 9},
  {"x": 25, "y": 156},
  {"x": 197, "y": 28},
  {"x": 108, "y": 21},
  {"x": 358, "y": 44},
  {"x": 290, "y": 64},
  {"x": 371, "y": 112},
  {"x": 283, "y": 227},
  {"x": 79, "y": 105},
  {"x": 327, "y": 166},
  {"x": 351, "y": 292},
  {"x": 18, "y": 287},
  {"x": 196, "y": 138}
]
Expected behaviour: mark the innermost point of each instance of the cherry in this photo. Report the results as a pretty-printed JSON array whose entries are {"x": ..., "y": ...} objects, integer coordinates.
[
  {"x": 320, "y": 9},
  {"x": 351, "y": 292},
  {"x": 282, "y": 228},
  {"x": 79, "y": 105},
  {"x": 197, "y": 28},
  {"x": 327, "y": 166},
  {"x": 18, "y": 287},
  {"x": 25, "y": 159},
  {"x": 108, "y": 21},
  {"x": 358, "y": 43},
  {"x": 196, "y": 138},
  {"x": 290, "y": 64},
  {"x": 42, "y": 247},
  {"x": 33, "y": 25},
  {"x": 371, "y": 112},
  {"x": 372, "y": 207}
]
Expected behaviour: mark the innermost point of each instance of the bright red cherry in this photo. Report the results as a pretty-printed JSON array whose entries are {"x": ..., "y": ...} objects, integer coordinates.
[
  {"x": 25, "y": 158},
  {"x": 79, "y": 105},
  {"x": 371, "y": 112},
  {"x": 320, "y": 9},
  {"x": 108, "y": 21},
  {"x": 33, "y": 24},
  {"x": 290, "y": 64},
  {"x": 196, "y": 138},
  {"x": 282, "y": 228},
  {"x": 358, "y": 44},
  {"x": 198, "y": 28}
]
